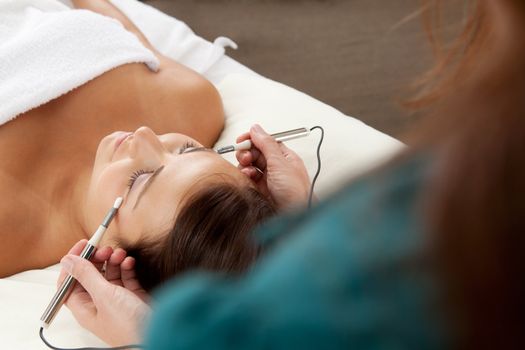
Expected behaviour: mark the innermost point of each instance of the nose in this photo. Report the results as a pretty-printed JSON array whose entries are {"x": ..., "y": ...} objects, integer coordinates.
[{"x": 147, "y": 145}]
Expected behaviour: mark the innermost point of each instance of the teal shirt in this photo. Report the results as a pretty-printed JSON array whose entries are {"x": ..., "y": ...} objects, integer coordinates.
[{"x": 350, "y": 274}]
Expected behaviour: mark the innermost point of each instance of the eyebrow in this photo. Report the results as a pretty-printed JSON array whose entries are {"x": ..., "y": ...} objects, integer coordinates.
[{"x": 157, "y": 172}]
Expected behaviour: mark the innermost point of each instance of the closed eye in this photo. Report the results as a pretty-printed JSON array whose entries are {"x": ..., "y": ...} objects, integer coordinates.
[
  {"x": 136, "y": 174},
  {"x": 147, "y": 185},
  {"x": 186, "y": 146}
]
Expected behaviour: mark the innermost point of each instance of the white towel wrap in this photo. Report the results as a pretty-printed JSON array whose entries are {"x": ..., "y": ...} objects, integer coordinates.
[
  {"x": 174, "y": 38},
  {"x": 47, "y": 50}
]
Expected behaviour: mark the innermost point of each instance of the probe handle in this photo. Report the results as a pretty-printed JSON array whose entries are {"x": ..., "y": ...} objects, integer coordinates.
[
  {"x": 279, "y": 137},
  {"x": 291, "y": 134},
  {"x": 63, "y": 291}
]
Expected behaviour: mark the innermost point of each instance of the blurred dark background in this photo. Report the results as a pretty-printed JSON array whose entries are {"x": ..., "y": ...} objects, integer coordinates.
[{"x": 357, "y": 55}]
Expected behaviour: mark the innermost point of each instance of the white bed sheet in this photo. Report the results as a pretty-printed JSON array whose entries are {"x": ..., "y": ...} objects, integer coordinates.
[
  {"x": 23, "y": 297},
  {"x": 176, "y": 40}
]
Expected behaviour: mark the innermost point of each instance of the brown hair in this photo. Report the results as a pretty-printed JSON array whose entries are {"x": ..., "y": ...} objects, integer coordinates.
[
  {"x": 454, "y": 60},
  {"x": 475, "y": 205},
  {"x": 213, "y": 232}
]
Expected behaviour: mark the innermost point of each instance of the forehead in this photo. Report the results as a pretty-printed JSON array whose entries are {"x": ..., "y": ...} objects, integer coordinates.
[
  {"x": 182, "y": 171},
  {"x": 182, "y": 176}
]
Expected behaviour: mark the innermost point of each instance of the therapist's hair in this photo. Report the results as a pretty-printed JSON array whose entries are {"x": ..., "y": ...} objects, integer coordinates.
[
  {"x": 212, "y": 232},
  {"x": 475, "y": 203}
]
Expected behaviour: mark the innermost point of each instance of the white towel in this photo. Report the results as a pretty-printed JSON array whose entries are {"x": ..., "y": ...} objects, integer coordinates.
[
  {"x": 174, "y": 39},
  {"x": 47, "y": 50}
]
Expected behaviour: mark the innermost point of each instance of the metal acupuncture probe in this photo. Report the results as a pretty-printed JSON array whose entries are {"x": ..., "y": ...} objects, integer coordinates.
[
  {"x": 282, "y": 137},
  {"x": 68, "y": 284},
  {"x": 279, "y": 137}
]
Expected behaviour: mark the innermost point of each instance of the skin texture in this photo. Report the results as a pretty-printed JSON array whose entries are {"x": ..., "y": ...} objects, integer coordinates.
[
  {"x": 183, "y": 167},
  {"x": 48, "y": 153},
  {"x": 100, "y": 300}
]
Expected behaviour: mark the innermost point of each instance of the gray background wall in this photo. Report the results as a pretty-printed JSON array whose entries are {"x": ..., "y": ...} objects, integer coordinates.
[{"x": 356, "y": 55}]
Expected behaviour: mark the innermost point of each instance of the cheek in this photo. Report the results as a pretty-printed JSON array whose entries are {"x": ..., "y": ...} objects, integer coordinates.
[
  {"x": 144, "y": 223},
  {"x": 130, "y": 228},
  {"x": 105, "y": 186},
  {"x": 127, "y": 229}
]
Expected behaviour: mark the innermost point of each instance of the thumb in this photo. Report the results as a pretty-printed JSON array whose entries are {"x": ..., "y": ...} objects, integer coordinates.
[
  {"x": 264, "y": 142},
  {"x": 86, "y": 274}
]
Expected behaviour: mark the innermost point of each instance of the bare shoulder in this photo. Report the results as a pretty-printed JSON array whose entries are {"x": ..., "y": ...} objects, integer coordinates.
[
  {"x": 174, "y": 99},
  {"x": 196, "y": 101}
]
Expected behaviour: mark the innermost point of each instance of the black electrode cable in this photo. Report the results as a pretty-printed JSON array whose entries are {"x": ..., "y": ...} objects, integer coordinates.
[
  {"x": 124, "y": 347},
  {"x": 318, "y": 164}
]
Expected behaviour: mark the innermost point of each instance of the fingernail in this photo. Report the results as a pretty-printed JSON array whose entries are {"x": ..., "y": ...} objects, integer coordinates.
[
  {"x": 257, "y": 128},
  {"x": 67, "y": 264}
]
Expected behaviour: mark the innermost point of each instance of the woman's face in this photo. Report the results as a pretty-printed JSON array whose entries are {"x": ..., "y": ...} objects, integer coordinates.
[{"x": 153, "y": 174}]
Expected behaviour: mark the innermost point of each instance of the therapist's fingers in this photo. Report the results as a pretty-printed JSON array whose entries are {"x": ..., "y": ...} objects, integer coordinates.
[
  {"x": 87, "y": 275},
  {"x": 259, "y": 178},
  {"x": 129, "y": 276},
  {"x": 256, "y": 158},
  {"x": 75, "y": 250},
  {"x": 264, "y": 142},
  {"x": 251, "y": 157},
  {"x": 254, "y": 173},
  {"x": 101, "y": 255},
  {"x": 243, "y": 137},
  {"x": 261, "y": 140},
  {"x": 113, "y": 273},
  {"x": 259, "y": 160},
  {"x": 129, "y": 279},
  {"x": 244, "y": 157},
  {"x": 290, "y": 155}
]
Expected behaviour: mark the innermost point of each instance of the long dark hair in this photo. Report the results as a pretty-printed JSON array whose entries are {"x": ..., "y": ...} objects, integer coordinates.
[
  {"x": 476, "y": 202},
  {"x": 212, "y": 232}
]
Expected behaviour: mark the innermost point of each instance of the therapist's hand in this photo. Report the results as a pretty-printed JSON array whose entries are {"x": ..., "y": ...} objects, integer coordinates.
[
  {"x": 111, "y": 306},
  {"x": 282, "y": 176}
]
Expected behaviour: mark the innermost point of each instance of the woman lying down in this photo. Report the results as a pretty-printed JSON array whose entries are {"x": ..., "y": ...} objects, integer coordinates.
[{"x": 184, "y": 206}]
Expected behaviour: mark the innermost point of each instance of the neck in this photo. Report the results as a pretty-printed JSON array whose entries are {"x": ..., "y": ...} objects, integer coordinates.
[
  {"x": 62, "y": 183},
  {"x": 47, "y": 180}
]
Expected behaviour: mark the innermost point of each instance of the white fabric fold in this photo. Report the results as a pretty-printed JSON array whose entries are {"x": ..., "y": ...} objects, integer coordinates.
[
  {"x": 47, "y": 50},
  {"x": 173, "y": 38}
]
